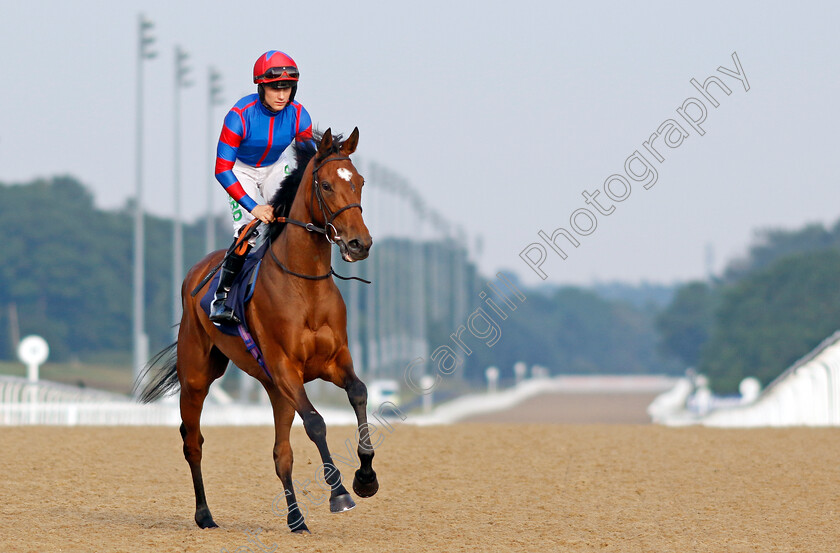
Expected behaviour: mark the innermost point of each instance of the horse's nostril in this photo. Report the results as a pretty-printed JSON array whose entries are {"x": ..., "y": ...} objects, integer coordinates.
[{"x": 354, "y": 245}]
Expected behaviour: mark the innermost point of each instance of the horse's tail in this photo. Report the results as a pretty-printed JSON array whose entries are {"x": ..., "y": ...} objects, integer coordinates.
[{"x": 165, "y": 379}]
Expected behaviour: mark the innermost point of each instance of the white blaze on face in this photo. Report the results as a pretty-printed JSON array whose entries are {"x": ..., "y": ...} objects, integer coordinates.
[{"x": 345, "y": 174}]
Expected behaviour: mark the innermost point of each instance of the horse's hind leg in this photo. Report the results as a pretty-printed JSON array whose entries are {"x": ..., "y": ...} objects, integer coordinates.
[{"x": 196, "y": 371}]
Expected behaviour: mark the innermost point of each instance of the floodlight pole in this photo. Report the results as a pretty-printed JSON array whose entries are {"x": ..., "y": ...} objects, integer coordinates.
[
  {"x": 181, "y": 71},
  {"x": 141, "y": 340},
  {"x": 214, "y": 91}
]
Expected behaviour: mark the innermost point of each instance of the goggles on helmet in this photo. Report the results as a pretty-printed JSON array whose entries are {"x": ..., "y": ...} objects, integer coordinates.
[{"x": 290, "y": 73}]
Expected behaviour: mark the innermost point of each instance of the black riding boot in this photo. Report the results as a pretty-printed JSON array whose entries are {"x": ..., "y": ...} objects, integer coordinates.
[{"x": 219, "y": 312}]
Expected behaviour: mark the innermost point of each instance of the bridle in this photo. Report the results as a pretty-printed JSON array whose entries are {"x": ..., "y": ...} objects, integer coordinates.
[{"x": 328, "y": 215}]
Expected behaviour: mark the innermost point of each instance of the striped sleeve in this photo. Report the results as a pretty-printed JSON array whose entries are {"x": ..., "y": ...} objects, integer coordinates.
[
  {"x": 233, "y": 131},
  {"x": 303, "y": 130}
]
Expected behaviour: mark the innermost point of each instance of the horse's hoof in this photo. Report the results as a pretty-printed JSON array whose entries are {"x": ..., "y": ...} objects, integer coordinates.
[
  {"x": 204, "y": 520},
  {"x": 302, "y": 529},
  {"x": 341, "y": 503},
  {"x": 365, "y": 487}
]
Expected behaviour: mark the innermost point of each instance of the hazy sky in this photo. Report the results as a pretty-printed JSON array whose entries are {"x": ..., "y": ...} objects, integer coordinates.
[{"x": 501, "y": 113}]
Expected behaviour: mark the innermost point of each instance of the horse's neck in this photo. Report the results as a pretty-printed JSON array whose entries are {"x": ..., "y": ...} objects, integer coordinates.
[{"x": 300, "y": 250}]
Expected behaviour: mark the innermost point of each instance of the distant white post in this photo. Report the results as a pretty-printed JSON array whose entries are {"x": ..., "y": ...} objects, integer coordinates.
[
  {"x": 519, "y": 369},
  {"x": 32, "y": 352},
  {"x": 427, "y": 383},
  {"x": 750, "y": 389},
  {"x": 703, "y": 395},
  {"x": 492, "y": 374}
]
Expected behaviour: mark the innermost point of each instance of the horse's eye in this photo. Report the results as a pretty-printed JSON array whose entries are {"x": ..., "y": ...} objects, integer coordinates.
[{"x": 325, "y": 185}]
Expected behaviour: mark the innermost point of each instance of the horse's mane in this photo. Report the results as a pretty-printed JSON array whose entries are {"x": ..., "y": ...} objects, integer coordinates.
[{"x": 285, "y": 195}]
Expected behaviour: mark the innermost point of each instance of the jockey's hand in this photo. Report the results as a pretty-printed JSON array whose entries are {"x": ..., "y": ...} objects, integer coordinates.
[{"x": 264, "y": 213}]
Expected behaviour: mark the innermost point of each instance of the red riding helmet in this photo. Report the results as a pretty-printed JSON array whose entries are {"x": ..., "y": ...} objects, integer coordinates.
[{"x": 275, "y": 66}]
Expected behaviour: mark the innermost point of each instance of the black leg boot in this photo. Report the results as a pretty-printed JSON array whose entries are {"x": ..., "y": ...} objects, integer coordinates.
[{"x": 219, "y": 312}]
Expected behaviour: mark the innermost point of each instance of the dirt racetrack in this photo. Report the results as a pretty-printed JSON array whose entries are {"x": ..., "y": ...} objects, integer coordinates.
[
  {"x": 575, "y": 408},
  {"x": 467, "y": 487}
]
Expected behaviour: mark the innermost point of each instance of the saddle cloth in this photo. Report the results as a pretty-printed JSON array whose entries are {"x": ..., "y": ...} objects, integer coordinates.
[{"x": 240, "y": 292}]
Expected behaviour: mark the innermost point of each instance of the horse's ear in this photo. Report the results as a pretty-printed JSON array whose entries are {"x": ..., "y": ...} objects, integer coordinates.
[
  {"x": 349, "y": 145},
  {"x": 326, "y": 144}
]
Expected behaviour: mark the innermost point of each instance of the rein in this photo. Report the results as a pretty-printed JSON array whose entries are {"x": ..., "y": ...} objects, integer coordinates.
[
  {"x": 249, "y": 230},
  {"x": 311, "y": 227}
]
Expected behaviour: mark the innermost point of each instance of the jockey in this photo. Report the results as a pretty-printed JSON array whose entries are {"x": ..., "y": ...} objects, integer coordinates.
[{"x": 251, "y": 158}]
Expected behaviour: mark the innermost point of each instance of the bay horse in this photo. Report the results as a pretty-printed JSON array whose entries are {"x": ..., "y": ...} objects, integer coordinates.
[{"x": 297, "y": 317}]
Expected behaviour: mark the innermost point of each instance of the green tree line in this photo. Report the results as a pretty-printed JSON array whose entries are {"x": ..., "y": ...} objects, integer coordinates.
[
  {"x": 68, "y": 276},
  {"x": 66, "y": 273},
  {"x": 766, "y": 311},
  {"x": 575, "y": 330}
]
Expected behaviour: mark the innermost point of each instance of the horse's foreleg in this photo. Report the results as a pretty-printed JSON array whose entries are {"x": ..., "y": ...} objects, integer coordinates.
[
  {"x": 365, "y": 483},
  {"x": 284, "y": 414}
]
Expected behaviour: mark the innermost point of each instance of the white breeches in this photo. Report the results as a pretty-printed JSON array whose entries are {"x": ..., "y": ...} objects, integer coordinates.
[{"x": 260, "y": 183}]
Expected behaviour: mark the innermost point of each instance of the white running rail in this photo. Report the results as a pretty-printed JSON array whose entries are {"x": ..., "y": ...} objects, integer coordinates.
[
  {"x": 49, "y": 403},
  {"x": 806, "y": 394}
]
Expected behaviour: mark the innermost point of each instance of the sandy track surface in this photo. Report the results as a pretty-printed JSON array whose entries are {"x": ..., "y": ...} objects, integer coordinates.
[
  {"x": 468, "y": 487},
  {"x": 575, "y": 408}
]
